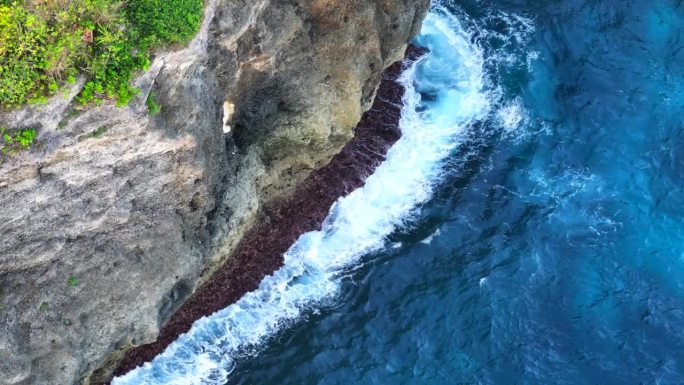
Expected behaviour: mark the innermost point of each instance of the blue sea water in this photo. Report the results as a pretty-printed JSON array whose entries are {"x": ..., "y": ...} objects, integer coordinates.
[
  {"x": 553, "y": 250},
  {"x": 527, "y": 229}
]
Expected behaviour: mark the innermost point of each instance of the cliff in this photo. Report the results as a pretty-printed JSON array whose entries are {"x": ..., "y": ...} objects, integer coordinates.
[{"x": 116, "y": 216}]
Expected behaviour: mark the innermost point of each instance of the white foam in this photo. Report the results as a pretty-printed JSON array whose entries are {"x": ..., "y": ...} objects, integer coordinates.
[
  {"x": 356, "y": 225},
  {"x": 430, "y": 237},
  {"x": 512, "y": 116}
]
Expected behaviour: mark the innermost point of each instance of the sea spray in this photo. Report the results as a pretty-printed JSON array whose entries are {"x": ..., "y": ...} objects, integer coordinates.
[{"x": 444, "y": 96}]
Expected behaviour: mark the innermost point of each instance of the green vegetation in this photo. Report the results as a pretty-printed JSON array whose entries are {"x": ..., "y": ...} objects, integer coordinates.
[
  {"x": 13, "y": 142},
  {"x": 46, "y": 44},
  {"x": 43, "y": 306},
  {"x": 95, "y": 134},
  {"x": 68, "y": 115},
  {"x": 162, "y": 22},
  {"x": 67, "y": 321},
  {"x": 152, "y": 105},
  {"x": 72, "y": 281}
]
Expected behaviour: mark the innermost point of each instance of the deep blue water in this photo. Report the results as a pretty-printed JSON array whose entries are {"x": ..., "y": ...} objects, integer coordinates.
[
  {"x": 552, "y": 252},
  {"x": 526, "y": 229}
]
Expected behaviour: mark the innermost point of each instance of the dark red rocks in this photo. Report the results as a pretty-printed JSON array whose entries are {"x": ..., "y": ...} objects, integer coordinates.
[{"x": 260, "y": 253}]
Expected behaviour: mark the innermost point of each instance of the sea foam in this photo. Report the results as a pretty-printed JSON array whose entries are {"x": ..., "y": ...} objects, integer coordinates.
[{"x": 444, "y": 96}]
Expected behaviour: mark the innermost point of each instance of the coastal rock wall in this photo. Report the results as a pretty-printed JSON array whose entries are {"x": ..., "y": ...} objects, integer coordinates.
[
  {"x": 116, "y": 216},
  {"x": 261, "y": 251}
]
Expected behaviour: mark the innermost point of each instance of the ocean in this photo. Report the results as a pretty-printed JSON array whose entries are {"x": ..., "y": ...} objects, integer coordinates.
[{"x": 526, "y": 229}]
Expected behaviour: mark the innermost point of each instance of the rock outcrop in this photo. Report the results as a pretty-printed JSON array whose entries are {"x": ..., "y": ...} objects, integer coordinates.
[
  {"x": 116, "y": 217},
  {"x": 261, "y": 251}
]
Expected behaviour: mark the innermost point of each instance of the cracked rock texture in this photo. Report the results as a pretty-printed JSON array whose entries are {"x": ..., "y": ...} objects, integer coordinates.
[{"x": 114, "y": 218}]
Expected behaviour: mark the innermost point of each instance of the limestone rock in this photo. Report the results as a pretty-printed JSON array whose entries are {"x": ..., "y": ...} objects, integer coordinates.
[{"x": 115, "y": 216}]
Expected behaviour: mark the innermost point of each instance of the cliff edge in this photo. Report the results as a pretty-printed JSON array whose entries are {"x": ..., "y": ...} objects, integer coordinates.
[{"x": 115, "y": 217}]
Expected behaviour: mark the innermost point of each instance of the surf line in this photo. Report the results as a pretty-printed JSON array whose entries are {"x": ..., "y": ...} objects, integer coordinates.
[
  {"x": 261, "y": 251},
  {"x": 451, "y": 74}
]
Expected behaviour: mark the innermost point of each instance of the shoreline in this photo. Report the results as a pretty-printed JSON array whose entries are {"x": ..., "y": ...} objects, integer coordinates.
[{"x": 280, "y": 223}]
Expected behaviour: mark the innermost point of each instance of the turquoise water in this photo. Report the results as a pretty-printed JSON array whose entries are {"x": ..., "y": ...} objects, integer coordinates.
[{"x": 526, "y": 229}]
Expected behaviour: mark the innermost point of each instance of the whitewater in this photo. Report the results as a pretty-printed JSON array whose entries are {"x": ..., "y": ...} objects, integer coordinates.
[{"x": 446, "y": 94}]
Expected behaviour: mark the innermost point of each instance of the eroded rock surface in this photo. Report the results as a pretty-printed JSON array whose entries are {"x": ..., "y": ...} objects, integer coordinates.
[
  {"x": 115, "y": 217},
  {"x": 261, "y": 251}
]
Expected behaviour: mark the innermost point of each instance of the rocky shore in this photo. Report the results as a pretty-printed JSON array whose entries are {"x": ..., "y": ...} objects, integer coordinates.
[
  {"x": 115, "y": 217},
  {"x": 261, "y": 251}
]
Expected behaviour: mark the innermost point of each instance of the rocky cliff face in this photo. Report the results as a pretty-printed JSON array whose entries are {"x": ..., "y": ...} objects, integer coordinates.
[{"x": 115, "y": 217}]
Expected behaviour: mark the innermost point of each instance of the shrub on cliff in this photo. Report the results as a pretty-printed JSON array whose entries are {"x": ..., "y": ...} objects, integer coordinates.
[
  {"x": 34, "y": 56},
  {"x": 45, "y": 44},
  {"x": 162, "y": 22},
  {"x": 12, "y": 142}
]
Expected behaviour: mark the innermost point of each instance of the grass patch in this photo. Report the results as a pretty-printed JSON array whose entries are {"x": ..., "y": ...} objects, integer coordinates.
[
  {"x": 72, "y": 281},
  {"x": 68, "y": 115},
  {"x": 152, "y": 105},
  {"x": 43, "y": 307},
  {"x": 98, "y": 132},
  {"x": 46, "y": 44},
  {"x": 14, "y": 141}
]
